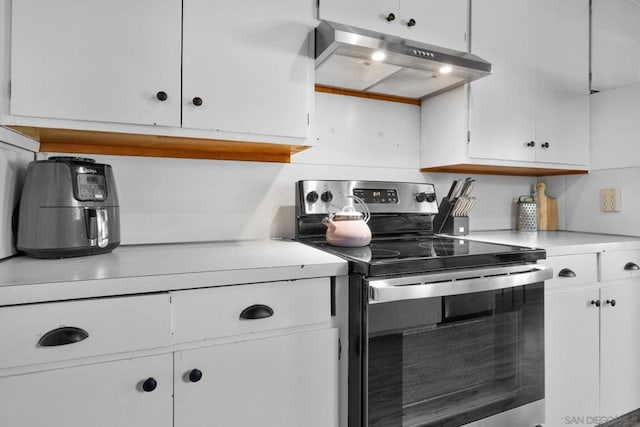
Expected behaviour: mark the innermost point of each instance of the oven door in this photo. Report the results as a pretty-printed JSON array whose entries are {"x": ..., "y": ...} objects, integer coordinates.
[{"x": 450, "y": 349}]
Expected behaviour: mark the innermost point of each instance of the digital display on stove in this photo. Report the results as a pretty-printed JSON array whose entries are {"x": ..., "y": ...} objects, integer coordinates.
[{"x": 383, "y": 196}]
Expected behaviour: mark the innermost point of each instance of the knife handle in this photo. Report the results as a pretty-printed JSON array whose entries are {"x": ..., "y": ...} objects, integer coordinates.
[
  {"x": 456, "y": 190},
  {"x": 451, "y": 189}
]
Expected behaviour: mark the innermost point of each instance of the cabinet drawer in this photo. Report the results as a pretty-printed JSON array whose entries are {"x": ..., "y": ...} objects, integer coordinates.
[
  {"x": 111, "y": 325},
  {"x": 571, "y": 270},
  {"x": 217, "y": 312},
  {"x": 619, "y": 264}
]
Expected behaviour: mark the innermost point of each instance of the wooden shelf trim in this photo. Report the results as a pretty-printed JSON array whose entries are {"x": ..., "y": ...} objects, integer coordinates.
[
  {"x": 127, "y": 144},
  {"x": 369, "y": 95},
  {"x": 465, "y": 168}
]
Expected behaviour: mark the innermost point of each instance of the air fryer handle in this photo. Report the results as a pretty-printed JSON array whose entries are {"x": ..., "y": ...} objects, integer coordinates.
[
  {"x": 92, "y": 223},
  {"x": 97, "y": 226},
  {"x": 103, "y": 228}
]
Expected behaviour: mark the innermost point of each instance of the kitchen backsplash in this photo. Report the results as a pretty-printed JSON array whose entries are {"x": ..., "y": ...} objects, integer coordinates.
[
  {"x": 579, "y": 201},
  {"x": 181, "y": 200}
]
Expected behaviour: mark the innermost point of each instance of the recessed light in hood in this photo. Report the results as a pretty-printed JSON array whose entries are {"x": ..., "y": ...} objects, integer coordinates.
[{"x": 409, "y": 69}]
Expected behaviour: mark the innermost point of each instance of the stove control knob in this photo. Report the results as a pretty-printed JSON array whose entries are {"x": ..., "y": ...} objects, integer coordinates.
[
  {"x": 421, "y": 197},
  {"x": 431, "y": 197},
  {"x": 326, "y": 197},
  {"x": 312, "y": 197}
]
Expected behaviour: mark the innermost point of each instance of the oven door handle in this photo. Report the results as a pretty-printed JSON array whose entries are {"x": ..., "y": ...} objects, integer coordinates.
[{"x": 455, "y": 283}]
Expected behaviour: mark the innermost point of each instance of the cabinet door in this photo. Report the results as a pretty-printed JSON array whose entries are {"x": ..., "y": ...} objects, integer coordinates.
[
  {"x": 562, "y": 81},
  {"x": 96, "y": 60},
  {"x": 571, "y": 356},
  {"x": 100, "y": 395},
  {"x": 502, "y": 106},
  {"x": 615, "y": 26},
  {"x": 249, "y": 63},
  {"x": 369, "y": 14},
  {"x": 285, "y": 381},
  {"x": 438, "y": 22},
  {"x": 615, "y": 116},
  {"x": 619, "y": 349},
  {"x": 535, "y": 108}
]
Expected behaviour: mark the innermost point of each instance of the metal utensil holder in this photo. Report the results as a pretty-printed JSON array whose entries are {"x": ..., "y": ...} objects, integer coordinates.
[{"x": 446, "y": 223}]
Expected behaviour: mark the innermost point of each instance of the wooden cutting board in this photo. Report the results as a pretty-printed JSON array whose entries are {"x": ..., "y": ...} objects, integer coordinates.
[{"x": 547, "y": 209}]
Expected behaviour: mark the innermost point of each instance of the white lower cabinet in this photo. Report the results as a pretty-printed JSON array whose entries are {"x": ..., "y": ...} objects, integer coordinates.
[
  {"x": 285, "y": 381},
  {"x": 98, "y": 395},
  {"x": 260, "y": 354},
  {"x": 280, "y": 368},
  {"x": 619, "y": 349},
  {"x": 592, "y": 374},
  {"x": 571, "y": 357}
]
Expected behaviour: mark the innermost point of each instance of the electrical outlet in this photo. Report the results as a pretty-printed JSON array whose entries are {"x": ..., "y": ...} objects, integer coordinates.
[{"x": 610, "y": 200}]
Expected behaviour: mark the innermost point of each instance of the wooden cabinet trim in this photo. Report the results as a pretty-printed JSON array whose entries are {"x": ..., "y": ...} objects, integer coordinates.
[
  {"x": 466, "y": 168},
  {"x": 127, "y": 144},
  {"x": 368, "y": 95}
]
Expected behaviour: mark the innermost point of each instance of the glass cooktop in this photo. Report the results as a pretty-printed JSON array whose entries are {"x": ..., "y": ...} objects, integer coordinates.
[{"x": 426, "y": 254}]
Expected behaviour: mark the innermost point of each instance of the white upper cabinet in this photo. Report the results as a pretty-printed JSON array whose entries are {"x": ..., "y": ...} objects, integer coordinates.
[
  {"x": 96, "y": 60},
  {"x": 502, "y": 106},
  {"x": 248, "y": 66},
  {"x": 437, "y": 22},
  {"x": 533, "y": 112},
  {"x": 615, "y": 43},
  {"x": 615, "y": 128},
  {"x": 562, "y": 82},
  {"x": 536, "y": 105},
  {"x": 240, "y": 71}
]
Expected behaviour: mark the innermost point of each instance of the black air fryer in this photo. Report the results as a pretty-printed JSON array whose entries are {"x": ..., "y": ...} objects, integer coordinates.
[{"x": 69, "y": 207}]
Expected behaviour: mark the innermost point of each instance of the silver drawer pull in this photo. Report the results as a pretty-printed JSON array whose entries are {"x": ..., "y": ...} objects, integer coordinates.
[{"x": 631, "y": 266}]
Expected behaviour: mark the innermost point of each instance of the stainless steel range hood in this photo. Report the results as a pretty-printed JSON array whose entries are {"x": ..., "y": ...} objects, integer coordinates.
[{"x": 409, "y": 69}]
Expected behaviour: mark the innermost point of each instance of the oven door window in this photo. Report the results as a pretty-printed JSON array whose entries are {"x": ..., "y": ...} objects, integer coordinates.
[{"x": 455, "y": 359}]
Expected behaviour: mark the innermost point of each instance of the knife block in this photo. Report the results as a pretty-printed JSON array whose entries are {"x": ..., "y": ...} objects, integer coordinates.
[
  {"x": 456, "y": 226},
  {"x": 445, "y": 223}
]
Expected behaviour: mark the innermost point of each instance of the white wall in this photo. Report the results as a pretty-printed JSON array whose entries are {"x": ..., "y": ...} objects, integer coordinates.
[
  {"x": 181, "y": 200},
  {"x": 615, "y": 163},
  {"x": 580, "y": 195},
  {"x": 14, "y": 159}
]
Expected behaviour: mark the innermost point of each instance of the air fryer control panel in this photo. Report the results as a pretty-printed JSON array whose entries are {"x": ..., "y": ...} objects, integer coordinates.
[
  {"x": 91, "y": 187},
  {"x": 88, "y": 178}
]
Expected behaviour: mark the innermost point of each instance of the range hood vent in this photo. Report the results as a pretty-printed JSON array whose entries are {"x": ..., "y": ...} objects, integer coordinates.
[{"x": 409, "y": 69}]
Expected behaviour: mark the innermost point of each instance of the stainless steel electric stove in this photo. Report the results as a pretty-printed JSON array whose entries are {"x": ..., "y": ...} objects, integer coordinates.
[{"x": 443, "y": 331}]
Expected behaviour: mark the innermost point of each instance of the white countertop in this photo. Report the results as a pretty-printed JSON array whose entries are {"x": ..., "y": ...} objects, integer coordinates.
[
  {"x": 559, "y": 242},
  {"x": 155, "y": 268}
]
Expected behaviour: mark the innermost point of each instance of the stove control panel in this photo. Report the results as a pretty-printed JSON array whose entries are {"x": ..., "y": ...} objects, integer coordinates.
[
  {"x": 324, "y": 197},
  {"x": 377, "y": 195}
]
